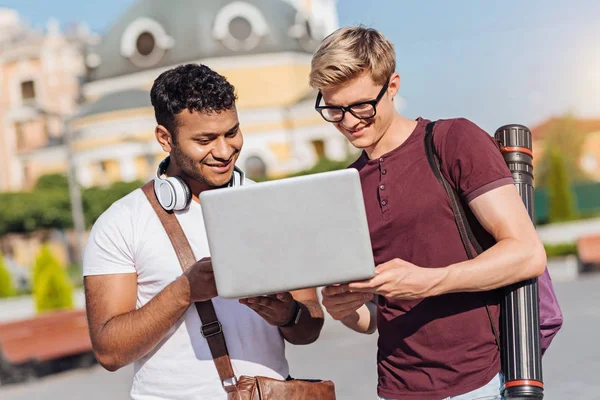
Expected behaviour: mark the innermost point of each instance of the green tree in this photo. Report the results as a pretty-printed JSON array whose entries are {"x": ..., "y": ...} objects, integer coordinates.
[
  {"x": 7, "y": 288},
  {"x": 48, "y": 205},
  {"x": 565, "y": 134},
  {"x": 96, "y": 200},
  {"x": 52, "y": 288},
  {"x": 560, "y": 194}
]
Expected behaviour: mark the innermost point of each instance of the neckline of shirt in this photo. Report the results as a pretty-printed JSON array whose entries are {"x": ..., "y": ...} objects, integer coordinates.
[{"x": 420, "y": 122}]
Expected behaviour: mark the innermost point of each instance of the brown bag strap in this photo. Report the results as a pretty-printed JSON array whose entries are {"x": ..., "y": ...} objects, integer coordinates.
[{"x": 211, "y": 327}]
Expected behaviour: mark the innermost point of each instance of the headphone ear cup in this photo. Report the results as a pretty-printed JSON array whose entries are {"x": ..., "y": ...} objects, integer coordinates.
[
  {"x": 165, "y": 194},
  {"x": 183, "y": 194}
]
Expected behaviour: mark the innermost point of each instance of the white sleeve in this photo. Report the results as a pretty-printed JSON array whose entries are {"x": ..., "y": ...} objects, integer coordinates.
[{"x": 109, "y": 246}]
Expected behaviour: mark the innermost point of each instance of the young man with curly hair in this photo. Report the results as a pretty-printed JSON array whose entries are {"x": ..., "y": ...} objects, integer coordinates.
[
  {"x": 140, "y": 306},
  {"x": 435, "y": 335}
]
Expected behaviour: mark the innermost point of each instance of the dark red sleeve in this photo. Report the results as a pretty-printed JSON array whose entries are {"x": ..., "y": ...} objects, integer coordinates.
[{"x": 470, "y": 157}]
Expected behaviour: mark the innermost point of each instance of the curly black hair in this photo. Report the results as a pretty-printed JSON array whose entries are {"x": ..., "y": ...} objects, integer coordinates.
[{"x": 192, "y": 86}]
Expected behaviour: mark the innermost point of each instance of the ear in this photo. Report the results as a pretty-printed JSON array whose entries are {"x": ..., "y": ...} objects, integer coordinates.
[
  {"x": 164, "y": 138},
  {"x": 394, "y": 85}
]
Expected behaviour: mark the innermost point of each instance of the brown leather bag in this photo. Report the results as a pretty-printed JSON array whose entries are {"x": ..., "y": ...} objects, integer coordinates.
[{"x": 247, "y": 387}]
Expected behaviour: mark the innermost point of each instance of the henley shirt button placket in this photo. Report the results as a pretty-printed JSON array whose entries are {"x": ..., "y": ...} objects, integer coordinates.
[{"x": 382, "y": 196}]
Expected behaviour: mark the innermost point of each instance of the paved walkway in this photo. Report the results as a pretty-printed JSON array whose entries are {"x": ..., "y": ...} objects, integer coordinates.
[{"x": 571, "y": 365}]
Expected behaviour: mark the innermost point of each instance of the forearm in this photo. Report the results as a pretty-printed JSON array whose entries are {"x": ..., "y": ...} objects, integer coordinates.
[
  {"x": 363, "y": 320},
  {"x": 308, "y": 328},
  {"x": 507, "y": 262},
  {"x": 128, "y": 337}
]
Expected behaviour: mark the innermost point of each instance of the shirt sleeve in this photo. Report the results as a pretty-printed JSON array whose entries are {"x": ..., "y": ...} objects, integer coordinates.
[
  {"x": 109, "y": 246},
  {"x": 471, "y": 159}
]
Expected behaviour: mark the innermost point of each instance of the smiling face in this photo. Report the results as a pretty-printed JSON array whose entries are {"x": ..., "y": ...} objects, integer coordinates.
[
  {"x": 197, "y": 124},
  {"x": 363, "y": 133},
  {"x": 204, "y": 148}
]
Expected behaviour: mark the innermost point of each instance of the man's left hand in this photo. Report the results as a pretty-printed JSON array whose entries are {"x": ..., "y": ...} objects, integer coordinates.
[
  {"x": 399, "y": 279},
  {"x": 277, "y": 309}
]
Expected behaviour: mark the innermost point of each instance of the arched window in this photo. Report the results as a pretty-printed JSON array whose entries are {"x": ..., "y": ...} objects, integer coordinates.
[{"x": 255, "y": 168}]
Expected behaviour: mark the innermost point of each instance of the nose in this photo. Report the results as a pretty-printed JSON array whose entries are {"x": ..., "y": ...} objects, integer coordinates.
[
  {"x": 349, "y": 120},
  {"x": 222, "y": 150}
]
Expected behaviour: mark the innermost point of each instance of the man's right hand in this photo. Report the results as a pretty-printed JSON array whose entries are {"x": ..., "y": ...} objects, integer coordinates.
[
  {"x": 340, "y": 303},
  {"x": 201, "y": 280}
]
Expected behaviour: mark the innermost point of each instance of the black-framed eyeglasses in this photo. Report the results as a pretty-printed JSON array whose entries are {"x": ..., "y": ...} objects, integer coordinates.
[{"x": 362, "y": 110}]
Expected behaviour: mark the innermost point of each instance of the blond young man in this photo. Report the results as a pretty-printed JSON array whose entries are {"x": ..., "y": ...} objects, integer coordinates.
[{"x": 427, "y": 299}]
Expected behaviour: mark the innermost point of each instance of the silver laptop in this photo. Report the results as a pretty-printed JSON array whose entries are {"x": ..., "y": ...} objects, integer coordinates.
[{"x": 288, "y": 234}]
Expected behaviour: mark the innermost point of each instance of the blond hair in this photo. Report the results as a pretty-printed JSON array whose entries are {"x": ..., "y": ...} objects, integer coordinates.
[{"x": 350, "y": 51}]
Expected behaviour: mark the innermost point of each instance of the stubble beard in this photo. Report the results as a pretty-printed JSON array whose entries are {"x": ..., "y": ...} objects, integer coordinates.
[{"x": 189, "y": 168}]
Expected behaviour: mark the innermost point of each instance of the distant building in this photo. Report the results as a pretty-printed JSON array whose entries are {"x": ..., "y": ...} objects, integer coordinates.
[
  {"x": 39, "y": 86},
  {"x": 263, "y": 47},
  {"x": 590, "y": 153}
]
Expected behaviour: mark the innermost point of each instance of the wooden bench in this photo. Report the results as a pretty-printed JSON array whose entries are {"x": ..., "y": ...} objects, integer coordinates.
[
  {"x": 42, "y": 340},
  {"x": 588, "y": 251}
]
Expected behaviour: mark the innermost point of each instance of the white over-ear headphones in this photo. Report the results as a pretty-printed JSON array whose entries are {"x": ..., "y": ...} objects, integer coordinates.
[{"x": 174, "y": 194}]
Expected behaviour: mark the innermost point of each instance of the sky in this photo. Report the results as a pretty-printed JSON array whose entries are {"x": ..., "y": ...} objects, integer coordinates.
[{"x": 496, "y": 63}]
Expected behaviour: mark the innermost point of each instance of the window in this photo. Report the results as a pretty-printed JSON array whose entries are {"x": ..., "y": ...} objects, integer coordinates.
[
  {"x": 103, "y": 166},
  {"x": 145, "y": 44},
  {"x": 240, "y": 26},
  {"x": 27, "y": 176},
  {"x": 20, "y": 135},
  {"x": 255, "y": 168},
  {"x": 319, "y": 147},
  {"x": 27, "y": 91},
  {"x": 306, "y": 31}
]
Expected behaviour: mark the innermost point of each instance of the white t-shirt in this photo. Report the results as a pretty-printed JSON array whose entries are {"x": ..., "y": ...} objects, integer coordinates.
[{"x": 129, "y": 238}]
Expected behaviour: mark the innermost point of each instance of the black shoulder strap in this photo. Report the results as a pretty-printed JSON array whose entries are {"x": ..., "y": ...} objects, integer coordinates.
[{"x": 466, "y": 234}]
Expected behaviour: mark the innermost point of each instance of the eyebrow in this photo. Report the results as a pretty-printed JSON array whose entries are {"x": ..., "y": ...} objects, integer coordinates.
[
  {"x": 351, "y": 104},
  {"x": 362, "y": 100},
  {"x": 212, "y": 134}
]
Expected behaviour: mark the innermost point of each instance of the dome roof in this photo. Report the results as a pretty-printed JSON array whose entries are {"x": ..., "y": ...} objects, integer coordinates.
[
  {"x": 159, "y": 33},
  {"x": 122, "y": 100}
]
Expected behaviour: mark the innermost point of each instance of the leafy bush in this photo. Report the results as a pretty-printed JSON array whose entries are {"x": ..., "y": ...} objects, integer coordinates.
[
  {"x": 561, "y": 249},
  {"x": 7, "y": 288},
  {"x": 52, "y": 288}
]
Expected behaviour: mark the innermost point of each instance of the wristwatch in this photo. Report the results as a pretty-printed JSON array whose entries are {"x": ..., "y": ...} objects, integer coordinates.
[{"x": 295, "y": 317}]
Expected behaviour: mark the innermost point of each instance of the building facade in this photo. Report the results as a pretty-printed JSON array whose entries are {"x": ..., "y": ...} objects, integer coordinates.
[
  {"x": 39, "y": 88},
  {"x": 263, "y": 47}
]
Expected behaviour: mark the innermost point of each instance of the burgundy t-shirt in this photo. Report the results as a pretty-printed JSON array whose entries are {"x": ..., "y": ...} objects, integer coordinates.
[{"x": 439, "y": 346}]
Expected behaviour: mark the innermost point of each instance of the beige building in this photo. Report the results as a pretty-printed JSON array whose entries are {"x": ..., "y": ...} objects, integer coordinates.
[
  {"x": 263, "y": 47},
  {"x": 39, "y": 86}
]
